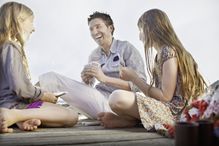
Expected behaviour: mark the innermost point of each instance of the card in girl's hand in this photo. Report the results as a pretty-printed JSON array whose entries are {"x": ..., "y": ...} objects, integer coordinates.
[{"x": 58, "y": 94}]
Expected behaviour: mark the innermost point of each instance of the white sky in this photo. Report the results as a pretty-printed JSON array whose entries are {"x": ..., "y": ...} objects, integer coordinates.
[{"x": 62, "y": 41}]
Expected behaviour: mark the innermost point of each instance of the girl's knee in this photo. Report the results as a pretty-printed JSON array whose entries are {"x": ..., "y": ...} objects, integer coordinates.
[
  {"x": 72, "y": 119},
  {"x": 117, "y": 100}
]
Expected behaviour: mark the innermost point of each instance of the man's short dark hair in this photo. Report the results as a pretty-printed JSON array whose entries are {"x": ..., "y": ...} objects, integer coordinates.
[{"x": 104, "y": 16}]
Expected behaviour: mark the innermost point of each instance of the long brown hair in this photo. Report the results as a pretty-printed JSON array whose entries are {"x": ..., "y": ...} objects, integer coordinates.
[
  {"x": 159, "y": 31},
  {"x": 10, "y": 28}
]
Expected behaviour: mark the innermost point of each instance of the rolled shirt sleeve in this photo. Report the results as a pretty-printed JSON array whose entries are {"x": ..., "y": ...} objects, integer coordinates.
[{"x": 133, "y": 60}]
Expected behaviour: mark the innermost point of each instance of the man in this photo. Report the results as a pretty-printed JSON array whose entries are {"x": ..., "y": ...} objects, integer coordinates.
[{"x": 104, "y": 65}]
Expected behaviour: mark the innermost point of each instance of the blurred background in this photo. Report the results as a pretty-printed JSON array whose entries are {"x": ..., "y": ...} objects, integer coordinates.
[{"x": 62, "y": 41}]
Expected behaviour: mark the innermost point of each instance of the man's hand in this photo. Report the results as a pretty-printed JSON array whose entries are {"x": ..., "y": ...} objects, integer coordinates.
[
  {"x": 94, "y": 70},
  {"x": 87, "y": 79}
]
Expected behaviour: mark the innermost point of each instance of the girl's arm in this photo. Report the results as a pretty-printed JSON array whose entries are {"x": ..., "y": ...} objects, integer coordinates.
[
  {"x": 17, "y": 77},
  {"x": 169, "y": 78}
]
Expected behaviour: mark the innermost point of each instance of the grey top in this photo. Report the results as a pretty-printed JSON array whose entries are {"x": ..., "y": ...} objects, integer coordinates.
[
  {"x": 15, "y": 85},
  {"x": 122, "y": 54}
]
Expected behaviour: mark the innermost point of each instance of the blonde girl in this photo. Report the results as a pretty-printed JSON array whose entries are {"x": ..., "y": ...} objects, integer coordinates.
[{"x": 21, "y": 102}]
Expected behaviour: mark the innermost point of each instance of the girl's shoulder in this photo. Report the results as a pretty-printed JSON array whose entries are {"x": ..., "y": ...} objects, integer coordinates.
[
  {"x": 10, "y": 45},
  {"x": 167, "y": 53}
]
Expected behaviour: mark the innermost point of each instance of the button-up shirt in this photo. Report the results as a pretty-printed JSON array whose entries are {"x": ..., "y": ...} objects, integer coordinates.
[{"x": 122, "y": 54}]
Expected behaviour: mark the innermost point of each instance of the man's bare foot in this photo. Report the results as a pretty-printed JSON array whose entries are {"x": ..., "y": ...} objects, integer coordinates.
[
  {"x": 6, "y": 120},
  {"x": 29, "y": 125},
  {"x": 110, "y": 120}
]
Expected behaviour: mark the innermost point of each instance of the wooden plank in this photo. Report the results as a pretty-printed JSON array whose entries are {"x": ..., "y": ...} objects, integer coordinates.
[
  {"x": 92, "y": 135},
  {"x": 151, "y": 142}
]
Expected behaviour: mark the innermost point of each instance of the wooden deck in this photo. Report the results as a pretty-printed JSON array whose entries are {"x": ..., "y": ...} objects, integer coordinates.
[{"x": 85, "y": 135}]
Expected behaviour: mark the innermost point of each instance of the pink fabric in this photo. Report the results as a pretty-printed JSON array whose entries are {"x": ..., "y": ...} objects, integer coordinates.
[{"x": 36, "y": 104}]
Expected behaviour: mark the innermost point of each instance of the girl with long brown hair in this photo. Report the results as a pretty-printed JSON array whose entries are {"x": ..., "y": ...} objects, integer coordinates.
[{"x": 175, "y": 79}]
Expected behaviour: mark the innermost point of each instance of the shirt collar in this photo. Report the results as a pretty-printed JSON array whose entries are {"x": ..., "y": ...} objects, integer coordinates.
[{"x": 112, "y": 47}]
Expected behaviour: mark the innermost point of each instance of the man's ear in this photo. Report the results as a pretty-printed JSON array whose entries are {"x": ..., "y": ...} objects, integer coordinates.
[{"x": 111, "y": 28}]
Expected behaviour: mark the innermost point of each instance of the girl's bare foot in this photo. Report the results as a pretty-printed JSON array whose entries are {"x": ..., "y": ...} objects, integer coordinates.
[
  {"x": 110, "y": 120},
  {"x": 29, "y": 125},
  {"x": 6, "y": 120}
]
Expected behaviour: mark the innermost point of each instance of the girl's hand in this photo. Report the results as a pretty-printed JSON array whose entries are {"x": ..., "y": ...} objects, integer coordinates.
[
  {"x": 49, "y": 97},
  {"x": 127, "y": 74}
]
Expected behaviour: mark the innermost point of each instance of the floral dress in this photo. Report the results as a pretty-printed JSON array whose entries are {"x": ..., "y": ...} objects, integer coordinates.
[{"x": 153, "y": 111}]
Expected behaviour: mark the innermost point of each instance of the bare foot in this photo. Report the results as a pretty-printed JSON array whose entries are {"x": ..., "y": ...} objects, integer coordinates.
[
  {"x": 6, "y": 120},
  {"x": 110, "y": 120},
  {"x": 29, "y": 125}
]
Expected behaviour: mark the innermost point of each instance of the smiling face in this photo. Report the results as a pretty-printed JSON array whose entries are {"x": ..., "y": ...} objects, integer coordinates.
[
  {"x": 100, "y": 32},
  {"x": 27, "y": 27}
]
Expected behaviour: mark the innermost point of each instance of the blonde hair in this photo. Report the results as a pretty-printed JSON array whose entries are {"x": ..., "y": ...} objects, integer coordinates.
[
  {"x": 158, "y": 31},
  {"x": 10, "y": 27}
]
